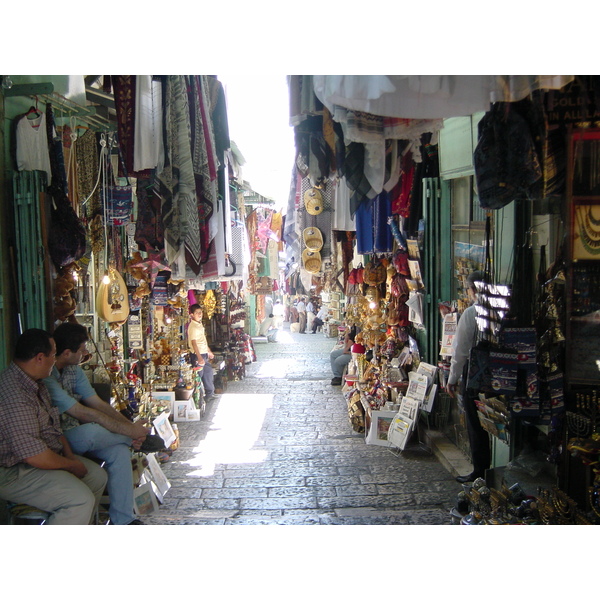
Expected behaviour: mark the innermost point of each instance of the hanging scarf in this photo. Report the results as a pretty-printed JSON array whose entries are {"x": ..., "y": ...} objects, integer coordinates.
[
  {"x": 177, "y": 184},
  {"x": 124, "y": 91}
]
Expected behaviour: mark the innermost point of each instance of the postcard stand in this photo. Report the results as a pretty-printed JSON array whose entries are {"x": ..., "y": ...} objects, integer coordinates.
[{"x": 405, "y": 428}]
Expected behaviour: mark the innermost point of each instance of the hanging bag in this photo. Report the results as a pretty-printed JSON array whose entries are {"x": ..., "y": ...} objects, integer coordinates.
[
  {"x": 119, "y": 198},
  {"x": 66, "y": 235},
  {"x": 505, "y": 160}
]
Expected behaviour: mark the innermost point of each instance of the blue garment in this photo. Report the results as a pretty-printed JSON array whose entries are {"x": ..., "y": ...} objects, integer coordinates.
[
  {"x": 339, "y": 360},
  {"x": 364, "y": 227},
  {"x": 207, "y": 377},
  {"x": 114, "y": 449},
  {"x": 65, "y": 389}
]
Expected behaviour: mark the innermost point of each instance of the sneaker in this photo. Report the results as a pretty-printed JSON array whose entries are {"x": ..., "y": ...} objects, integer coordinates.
[
  {"x": 152, "y": 443},
  {"x": 336, "y": 381}
]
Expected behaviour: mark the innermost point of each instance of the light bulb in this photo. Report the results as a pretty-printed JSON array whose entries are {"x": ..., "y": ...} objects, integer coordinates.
[
  {"x": 372, "y": 305},
  {"x": 106, "y": 278}
]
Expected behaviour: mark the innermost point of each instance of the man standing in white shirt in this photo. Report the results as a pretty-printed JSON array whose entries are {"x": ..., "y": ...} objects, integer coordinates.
[
  {"x": 301, "y": 306},
  {"x": 464, "y": 340},
  {"x": 278, "y": 311}
]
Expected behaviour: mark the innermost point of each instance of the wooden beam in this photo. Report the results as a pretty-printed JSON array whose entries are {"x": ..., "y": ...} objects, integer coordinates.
[
  {"x": 100, "y": 97},
  {"x": 29, "y": 89}
]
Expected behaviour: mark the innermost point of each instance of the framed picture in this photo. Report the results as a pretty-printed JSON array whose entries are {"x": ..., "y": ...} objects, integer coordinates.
[
  {"x": 586, "y": 232},
  {"x": 144, "y": 500},
  {"x": 181, "y": 409},
  {"x": 163, "y": 428},
  {"x": 166, "y": 399},
  {"x": 160, "y": 482},
  {"x": 193, "y": 414}
]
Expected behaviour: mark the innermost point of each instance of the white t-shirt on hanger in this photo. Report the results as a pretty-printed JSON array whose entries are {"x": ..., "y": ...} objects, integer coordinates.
[{"x": 32, "y": 145}]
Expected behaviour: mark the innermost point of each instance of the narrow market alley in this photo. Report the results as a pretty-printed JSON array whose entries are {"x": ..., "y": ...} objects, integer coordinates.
[{"x": 277, "y": 448}]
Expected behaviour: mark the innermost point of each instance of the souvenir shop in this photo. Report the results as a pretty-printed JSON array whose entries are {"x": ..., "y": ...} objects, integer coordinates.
[
  {"x": 123, "y": 205},
  {"x": 405, "y": 186}
]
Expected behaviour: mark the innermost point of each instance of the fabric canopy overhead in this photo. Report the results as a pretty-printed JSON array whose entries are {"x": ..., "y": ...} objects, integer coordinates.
[{"x": 428, "y": 96}]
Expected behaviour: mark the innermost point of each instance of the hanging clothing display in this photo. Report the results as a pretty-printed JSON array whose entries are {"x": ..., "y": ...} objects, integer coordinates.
[
  {"x": 383, "y": 240},
  {"x": 32, "y": 145},
  {"x": 428, "y": 96},
  {"x": 177, "y": 183},
  {"x": 147, "y": 146},
  {"x": 124, "y": 87},
  {"x": 342, "y": 219},
  {"x": 364, "y": 228}
]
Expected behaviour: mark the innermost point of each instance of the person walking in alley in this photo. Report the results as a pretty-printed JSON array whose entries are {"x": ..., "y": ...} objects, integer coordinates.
[
  {"x": 464, "y": 340},
  {"x": 278, "y": 311}
]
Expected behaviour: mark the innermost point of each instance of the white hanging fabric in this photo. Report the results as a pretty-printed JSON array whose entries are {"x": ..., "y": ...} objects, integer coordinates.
[
  {"x": 428, "y": 96},
  {"x": 148, "y": 123}
]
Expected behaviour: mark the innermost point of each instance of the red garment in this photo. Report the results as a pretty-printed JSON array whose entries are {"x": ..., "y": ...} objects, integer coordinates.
[{"x": 401, "y": 194}]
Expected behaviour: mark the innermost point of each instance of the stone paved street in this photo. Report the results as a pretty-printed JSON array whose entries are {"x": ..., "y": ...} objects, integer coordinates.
[{"x": 278, "y": 448}]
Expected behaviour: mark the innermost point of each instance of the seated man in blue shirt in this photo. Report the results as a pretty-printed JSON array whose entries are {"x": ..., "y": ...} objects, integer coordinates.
[{"x": 91, "y": 425}]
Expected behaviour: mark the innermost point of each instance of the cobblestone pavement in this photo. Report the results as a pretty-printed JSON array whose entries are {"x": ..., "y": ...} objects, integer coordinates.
[{"x": 278, "y": 448}]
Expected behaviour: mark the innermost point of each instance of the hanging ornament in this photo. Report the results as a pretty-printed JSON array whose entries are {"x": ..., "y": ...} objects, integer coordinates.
[{"x": 210, "y": 303}]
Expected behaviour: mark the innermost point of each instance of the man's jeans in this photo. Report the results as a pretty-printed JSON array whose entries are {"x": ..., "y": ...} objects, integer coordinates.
[{"x": 114, "y": 449}]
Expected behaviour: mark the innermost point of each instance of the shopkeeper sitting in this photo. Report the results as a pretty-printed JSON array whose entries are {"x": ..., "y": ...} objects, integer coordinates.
[
  {"x": 91, "y": 425},
  {"x": 37, "y": 465},
  {"x": 341, "y": 357}
]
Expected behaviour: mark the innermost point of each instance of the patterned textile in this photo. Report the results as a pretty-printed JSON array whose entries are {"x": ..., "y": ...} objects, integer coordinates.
[
  {"x": 205, "y": 163},
  {"x": 204, "y": 158},
  {"x": 355, "y": 175},
  {"x": 124, "y": 93},
  {"x": 205, "y": 212},
  {"x": 86, "y": 150},
  {"x": 149, "y": 233},
  {"x": 177, "y": 183}
]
